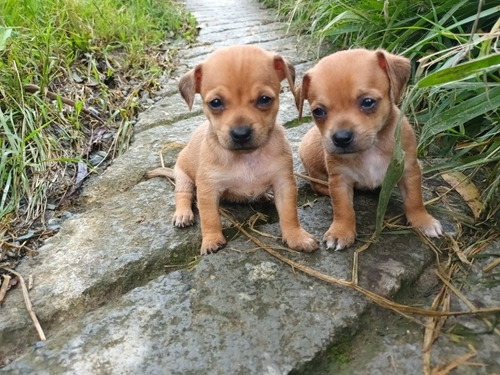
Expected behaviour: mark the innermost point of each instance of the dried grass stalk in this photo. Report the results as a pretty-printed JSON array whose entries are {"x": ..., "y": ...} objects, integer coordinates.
[
  {"x": 312, "y": 179},
  {"x": 459, "y": 294},
  {"x": 5, "y": 286},
  {"x": 27, "y": 301},
  {"x": 433, "y": 327},
  {"x": 492, "y": 265},
  {"x": 447, "y": 368}
]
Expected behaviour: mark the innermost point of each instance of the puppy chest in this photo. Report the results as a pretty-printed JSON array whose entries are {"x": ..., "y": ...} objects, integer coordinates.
[
  {"x": 368, "y": 172},
  {"x": 247, "y": 179}
]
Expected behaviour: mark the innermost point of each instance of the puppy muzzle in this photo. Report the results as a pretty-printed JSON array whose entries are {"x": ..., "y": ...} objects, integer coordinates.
[
  {"x": 343, "y": 138},
  {"x": 242, "y": 138},
  {"x": 343, "y": 142}
]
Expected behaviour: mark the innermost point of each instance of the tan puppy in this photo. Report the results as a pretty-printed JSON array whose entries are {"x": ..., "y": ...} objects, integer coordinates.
[
  {"x": 353, "y": 95},
  {"x": 239, "y": 153}
]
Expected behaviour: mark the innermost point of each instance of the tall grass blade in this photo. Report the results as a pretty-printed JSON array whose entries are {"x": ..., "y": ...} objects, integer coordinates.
[
  {"x": 392, "y": 177},
  {"x": 460, "y": 72},
  {"x": 462, "y": 112}
]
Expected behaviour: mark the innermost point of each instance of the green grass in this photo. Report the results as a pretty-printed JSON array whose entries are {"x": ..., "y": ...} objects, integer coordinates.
[
  {"x": 453, "y": 97},
  {"x": 89, "y": 52}
]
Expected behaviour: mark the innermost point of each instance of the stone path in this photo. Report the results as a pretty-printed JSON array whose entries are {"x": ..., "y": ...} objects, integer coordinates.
[{"x": 110, "y": 301}]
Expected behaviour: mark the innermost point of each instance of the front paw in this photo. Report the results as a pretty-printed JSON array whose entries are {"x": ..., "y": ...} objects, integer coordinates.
[
  {"x": 212, "y": 243},
  {"x": 301, "y": 240},
  {"x": 183, "y": 219},
  {"x": 339, "y": 236},
  {"x": 426, "y": 224}
]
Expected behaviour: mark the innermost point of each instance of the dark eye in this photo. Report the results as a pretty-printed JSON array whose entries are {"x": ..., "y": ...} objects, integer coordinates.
[
  {"x": 368, "y": 104},
  {"x": 264, "y": 101},
  {"x": 216, "y": 104},
  {"x": 319, "y": 113}
]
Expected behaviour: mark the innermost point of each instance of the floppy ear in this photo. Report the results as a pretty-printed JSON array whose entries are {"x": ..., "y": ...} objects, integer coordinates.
[
  {"x": 301, "y": 93},
  {"x": 285, "y": 70},
  {"x": 398, "y": 70},
  {"x": 189, "y": 85}
]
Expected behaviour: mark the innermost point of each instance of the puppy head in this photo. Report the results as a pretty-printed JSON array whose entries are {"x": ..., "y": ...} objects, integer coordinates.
[
  {"x": 240, "y": 88},
  {"x": 352, "y": 96}
]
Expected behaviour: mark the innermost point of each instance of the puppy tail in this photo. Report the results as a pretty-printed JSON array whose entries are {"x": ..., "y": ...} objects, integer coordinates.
[{"x": 160, "y": 172}]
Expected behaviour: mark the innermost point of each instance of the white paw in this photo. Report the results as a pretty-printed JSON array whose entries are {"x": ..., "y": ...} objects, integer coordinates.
[
  {"x": 183, "y": 219},
  {"x": 432, "y": 230},
  {"x": 336, "y": 239}
]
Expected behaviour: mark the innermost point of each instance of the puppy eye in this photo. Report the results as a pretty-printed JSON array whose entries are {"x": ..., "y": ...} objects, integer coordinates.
[
  {"x": 368, "y": 104},
  {"x": 216, "y": 104},
  {"x": 264, "y": 101},
  {"x": 319, "y": 113}
]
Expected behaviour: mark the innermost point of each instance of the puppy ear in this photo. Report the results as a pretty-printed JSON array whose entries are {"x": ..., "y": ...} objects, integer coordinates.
[
  {"x": 301, "y": 93},
  {"x": 189, "y": 85},
  {"x": 398, "y": 70},
  {"x": 285, "y": 70}
]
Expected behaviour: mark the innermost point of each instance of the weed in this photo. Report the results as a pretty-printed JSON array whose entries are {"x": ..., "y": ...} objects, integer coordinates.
[{"x": 71, "y": 75}]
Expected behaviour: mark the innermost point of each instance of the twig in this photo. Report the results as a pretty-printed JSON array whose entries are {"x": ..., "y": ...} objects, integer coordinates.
[
  {"x": 305, "y": 177},
  {"x": 444, "y": 370},
  {"x": 13, "y": 245},
  {"x": 53, "y": 96},
  {"x": 492, "y": 265},
  {"x": 433, "y": 327},
  {"x": 355, "y": 262},
  {"x": 5, "y": 286},
  {"x": 27, "y": 301}
]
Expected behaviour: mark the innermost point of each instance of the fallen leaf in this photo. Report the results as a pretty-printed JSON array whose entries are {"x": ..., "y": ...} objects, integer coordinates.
[{"x": 467, "y": 190}]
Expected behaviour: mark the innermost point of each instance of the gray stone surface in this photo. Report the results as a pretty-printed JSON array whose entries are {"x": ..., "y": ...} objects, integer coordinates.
[
  {"x": 107, "y": 301},
  {"x": 391, "y": 344}
]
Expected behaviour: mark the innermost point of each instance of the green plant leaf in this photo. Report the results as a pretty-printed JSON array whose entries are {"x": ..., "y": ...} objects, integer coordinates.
[
  {"x": 392, "y": 177},
  {"x": 5, "y": 33},
  {"x": 464, "y": 111},
  {"x": 460, "y": 72}
]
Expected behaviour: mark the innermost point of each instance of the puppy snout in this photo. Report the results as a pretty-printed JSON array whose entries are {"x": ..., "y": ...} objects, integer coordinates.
[
  {"x": 343, "y": 138},
  {"x": 241, "y": 134}
]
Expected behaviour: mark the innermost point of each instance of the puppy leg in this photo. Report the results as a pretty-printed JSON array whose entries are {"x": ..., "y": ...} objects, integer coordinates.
[
  {"x": 313, "y": 159},
  {"x": 285, "y": 197},
  {"x": 184, "y": 195},
  {"x": 416, "y": 214},
  {"x": 211, "y": 227},
  {"x": 342, "y": 232},
  {"x": 319, "y": 189}
]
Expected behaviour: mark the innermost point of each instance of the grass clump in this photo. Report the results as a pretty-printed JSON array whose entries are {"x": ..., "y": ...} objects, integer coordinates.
[
  {"x": 73, "y": 76},
  {"x": 454, "y": 47}
]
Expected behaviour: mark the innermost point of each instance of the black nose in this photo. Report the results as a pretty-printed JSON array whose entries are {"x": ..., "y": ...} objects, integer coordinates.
[
  {"x": 241, "y": 134},
  {"x": 343, "y": 138}
]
